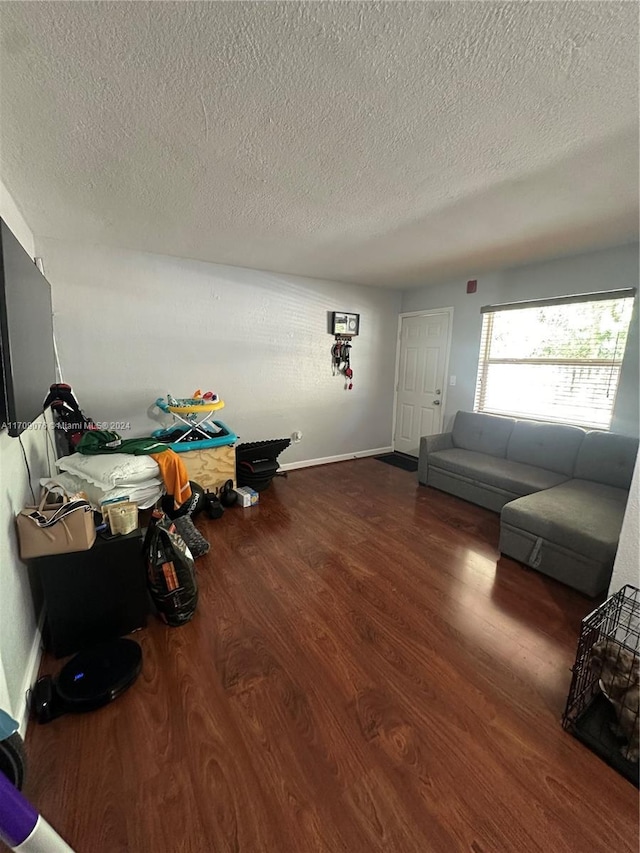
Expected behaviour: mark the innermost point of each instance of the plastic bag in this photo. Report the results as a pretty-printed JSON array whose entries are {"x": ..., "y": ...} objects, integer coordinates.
[{"x": 171, "y": 573}]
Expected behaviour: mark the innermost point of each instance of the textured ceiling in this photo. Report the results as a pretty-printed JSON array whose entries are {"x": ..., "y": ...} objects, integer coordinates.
[{"x": 383, "y": 143}]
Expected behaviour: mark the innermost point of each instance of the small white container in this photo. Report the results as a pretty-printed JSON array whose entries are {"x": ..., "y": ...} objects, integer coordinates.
[{"x": 246, "y": 496}]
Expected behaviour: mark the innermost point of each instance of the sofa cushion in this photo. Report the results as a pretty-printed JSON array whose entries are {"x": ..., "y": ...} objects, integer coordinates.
[
  {"x": 482, "y": 433},
  {"x": 513, "y": 477},
  {"x": 607, "y": 458},
  {"x": 580, "y": 515},
  {"x": 551, "y": 446}
]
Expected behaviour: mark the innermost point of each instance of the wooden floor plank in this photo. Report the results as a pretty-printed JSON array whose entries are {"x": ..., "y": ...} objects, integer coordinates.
[{"x": 364, "y": 673}]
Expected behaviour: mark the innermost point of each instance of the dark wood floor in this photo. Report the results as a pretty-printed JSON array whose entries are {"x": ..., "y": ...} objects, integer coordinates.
[{"x": 363, "y": 674}]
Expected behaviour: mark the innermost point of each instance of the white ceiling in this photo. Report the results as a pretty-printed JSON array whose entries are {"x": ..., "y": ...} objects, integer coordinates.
[{"x": 382, "y": 143}]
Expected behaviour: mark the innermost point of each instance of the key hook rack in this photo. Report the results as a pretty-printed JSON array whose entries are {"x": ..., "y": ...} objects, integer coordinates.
[{"x": 344, "y": 327}]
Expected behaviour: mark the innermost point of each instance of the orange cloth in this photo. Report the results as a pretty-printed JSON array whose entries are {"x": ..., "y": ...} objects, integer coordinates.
[{"x": 174, "y": 474}]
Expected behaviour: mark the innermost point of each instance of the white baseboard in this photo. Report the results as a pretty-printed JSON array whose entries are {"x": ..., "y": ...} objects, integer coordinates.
[
  {"x": 343, "y": 457},
  {"x": 30, "y": 676}
]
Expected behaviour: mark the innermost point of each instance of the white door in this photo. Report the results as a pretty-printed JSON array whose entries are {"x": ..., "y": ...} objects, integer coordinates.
[{"x": 424, "y": 342}]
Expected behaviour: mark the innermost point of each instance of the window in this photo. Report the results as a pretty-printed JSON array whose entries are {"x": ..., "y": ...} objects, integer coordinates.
[{"x": 556, "y": 359}]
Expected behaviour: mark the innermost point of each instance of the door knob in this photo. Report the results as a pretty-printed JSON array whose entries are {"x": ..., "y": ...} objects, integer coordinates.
[
  {"x": 438, "y": 391},
  {"x": 436, "y": 402}
]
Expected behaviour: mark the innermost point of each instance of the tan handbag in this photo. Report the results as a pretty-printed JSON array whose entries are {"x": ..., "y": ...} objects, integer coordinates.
[{"x": 55, "y": 528}]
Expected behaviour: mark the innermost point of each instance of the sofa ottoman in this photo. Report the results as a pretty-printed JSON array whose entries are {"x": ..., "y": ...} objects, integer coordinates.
[{"x": 571, "y": 531}]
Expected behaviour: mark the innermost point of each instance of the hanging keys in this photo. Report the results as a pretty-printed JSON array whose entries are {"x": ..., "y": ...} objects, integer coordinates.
[
  {"x": 348, "y": 379},
  {"x": 336, "y": 358},
  {"x": 340, "y": 363}
]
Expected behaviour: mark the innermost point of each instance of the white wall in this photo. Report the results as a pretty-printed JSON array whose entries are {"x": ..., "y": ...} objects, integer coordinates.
[
  {"x": 19, "y": 637},
  {"x": 133, "y": 326},
  {"x": 626, "y": 568},
  {"x": 609, "y": 269},
  {"x": 11, "y": 214}
]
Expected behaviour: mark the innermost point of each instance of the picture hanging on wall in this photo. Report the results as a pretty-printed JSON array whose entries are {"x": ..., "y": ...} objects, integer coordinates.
[{"x": 345, "y": 324}]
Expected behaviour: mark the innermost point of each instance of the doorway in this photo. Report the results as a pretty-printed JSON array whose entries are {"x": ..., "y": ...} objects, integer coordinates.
[{"x": 424, "y": 342}]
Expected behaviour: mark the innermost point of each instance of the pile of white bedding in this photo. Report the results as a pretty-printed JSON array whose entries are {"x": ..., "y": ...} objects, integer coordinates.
[{"x": 110, "y": 475}]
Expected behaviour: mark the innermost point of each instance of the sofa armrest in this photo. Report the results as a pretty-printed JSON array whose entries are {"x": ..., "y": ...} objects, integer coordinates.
[{"x": 431, "y": 444}]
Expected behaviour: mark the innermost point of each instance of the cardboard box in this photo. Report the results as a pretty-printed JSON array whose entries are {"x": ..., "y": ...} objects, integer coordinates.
[{"x": 247, "y": 496}]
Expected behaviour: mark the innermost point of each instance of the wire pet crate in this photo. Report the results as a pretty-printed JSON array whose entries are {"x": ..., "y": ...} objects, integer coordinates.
[{"x": 602, "y": 707}]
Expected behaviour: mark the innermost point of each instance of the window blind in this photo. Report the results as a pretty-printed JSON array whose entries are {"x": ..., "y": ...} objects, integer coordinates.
[{"x": 554, "y": 360}]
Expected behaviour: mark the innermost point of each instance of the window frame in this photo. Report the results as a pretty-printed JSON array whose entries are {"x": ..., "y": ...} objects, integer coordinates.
[{"x": 489, "y": 313}]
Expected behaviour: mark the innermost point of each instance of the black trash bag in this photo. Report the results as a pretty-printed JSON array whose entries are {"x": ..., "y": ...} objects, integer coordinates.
[{"x": 171, "y": 573}]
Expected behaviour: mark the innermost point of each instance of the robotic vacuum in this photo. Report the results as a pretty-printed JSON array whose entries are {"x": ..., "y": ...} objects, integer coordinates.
[{"x": 91, "y": 679}]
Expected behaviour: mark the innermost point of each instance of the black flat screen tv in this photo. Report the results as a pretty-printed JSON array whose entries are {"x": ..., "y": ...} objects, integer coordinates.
[{"x": 26, "y": 336}]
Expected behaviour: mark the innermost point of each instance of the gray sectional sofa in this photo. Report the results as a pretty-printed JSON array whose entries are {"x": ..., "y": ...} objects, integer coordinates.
[{"x": 561, "y": 491}]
